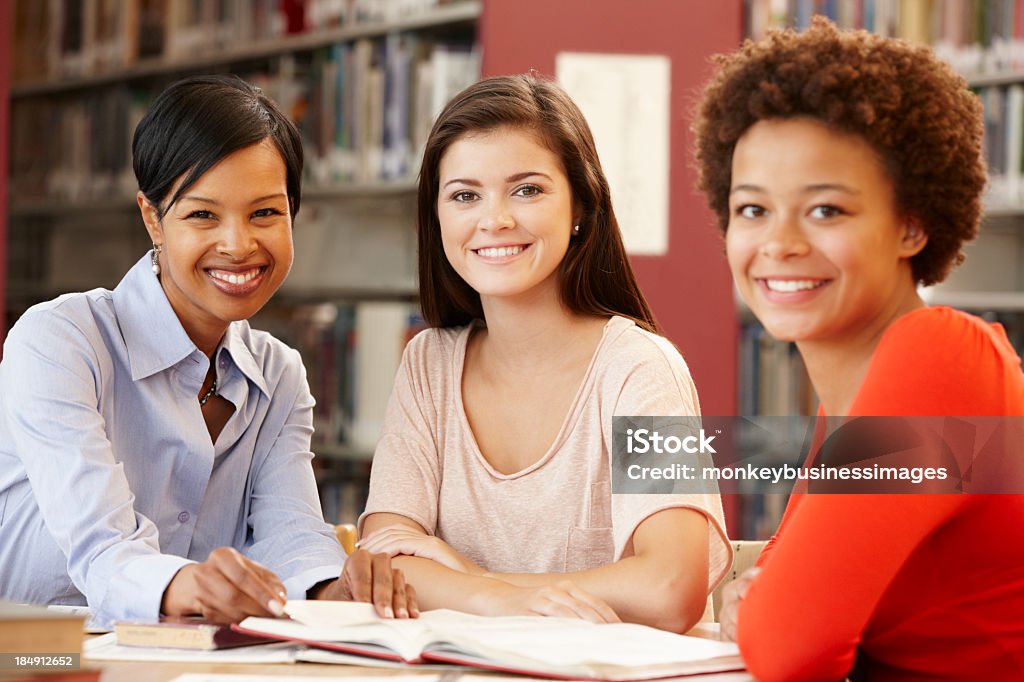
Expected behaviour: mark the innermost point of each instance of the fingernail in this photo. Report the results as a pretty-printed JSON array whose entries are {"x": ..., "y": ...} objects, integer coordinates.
[
  {"x": 388, "y": 613},
  {"x": 275, "y": 607},
  {"x": 415, "y": 612},
  {"x": 402, "y": 613}
]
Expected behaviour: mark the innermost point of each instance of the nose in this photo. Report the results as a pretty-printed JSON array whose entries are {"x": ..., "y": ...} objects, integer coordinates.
[
  {"x": 784, "y": 238},
  {"x": 237, "y": 239},
  {"x": 496, "y": 216}
]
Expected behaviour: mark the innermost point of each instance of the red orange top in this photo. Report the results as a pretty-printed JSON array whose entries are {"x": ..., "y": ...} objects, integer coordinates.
[{"x": 905, "y": 586}]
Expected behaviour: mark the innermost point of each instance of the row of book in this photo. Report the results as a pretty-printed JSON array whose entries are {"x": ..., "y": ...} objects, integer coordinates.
[
  {"x": 364, "y": 110},
  {"x": 1004, "y": 139},
  {"x": 352, "y": 353},
  {"x": 975, "y": 36},
  {"x": 56, "y": 39},
  {"x": 772, "y": 377}
]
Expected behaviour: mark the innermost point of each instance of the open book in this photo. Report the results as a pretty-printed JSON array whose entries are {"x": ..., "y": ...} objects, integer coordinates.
[{"x": 544, "y": 647}]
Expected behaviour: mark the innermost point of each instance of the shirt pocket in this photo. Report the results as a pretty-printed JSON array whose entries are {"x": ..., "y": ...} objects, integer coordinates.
[{"x": 588, "y": 548}]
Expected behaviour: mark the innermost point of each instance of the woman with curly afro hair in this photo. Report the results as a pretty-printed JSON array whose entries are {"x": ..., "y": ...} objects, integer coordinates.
[{"x": 845, "y": 169}]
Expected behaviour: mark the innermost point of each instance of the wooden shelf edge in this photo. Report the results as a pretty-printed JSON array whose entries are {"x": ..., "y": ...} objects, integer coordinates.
[
  {"x": 360, "y": 190},
  {"x": 443, "y": 15}
]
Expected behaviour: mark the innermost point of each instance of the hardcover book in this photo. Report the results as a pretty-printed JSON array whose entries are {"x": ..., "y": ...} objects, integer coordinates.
[
  {"x": 182, "y": 633},
  {"x": 556, "y": 648}
]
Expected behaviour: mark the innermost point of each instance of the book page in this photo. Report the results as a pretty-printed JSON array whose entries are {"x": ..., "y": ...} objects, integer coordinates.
[{"x": 579, "y": 648}]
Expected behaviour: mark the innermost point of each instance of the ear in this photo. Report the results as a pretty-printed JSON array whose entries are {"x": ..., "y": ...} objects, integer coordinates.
[
  {"x": 913, "y": 238},
  {"x": 151, "y": 219}
]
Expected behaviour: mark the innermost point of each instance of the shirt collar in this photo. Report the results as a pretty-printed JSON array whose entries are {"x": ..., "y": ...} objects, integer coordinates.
[
  {"x": 152, "y": 332},
  {"x": 236, "y": 347}
]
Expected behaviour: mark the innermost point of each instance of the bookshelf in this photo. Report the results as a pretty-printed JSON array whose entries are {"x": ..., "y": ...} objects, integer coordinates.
[
  {"x": 363, "y": 80},
  {"x": 6, "y": 14}
]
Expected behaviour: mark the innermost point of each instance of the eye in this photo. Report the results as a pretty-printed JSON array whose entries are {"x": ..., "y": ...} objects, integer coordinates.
[
  {"x": 463, "y": 196},
  {"x": 750, "y": 211},
  {"x": 199, "y": 215},
  {"x": 266, "y": 213},
  {"x": 826, "y": 211},
  {"x": 528, "y": 191}
]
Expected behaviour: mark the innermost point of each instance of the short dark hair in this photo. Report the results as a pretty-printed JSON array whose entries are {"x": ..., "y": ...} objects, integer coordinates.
[
  {"x": 198, "y": 121},
  {"x": 912, "y": 108},
  {"x": 595, "y": 276}
]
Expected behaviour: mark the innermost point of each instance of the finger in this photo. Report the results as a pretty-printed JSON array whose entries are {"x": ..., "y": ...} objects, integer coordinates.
[
  {"x": 244, "y": 575},
  {"x": 411, "y": 601},
  {"x": 597, "y": 604},
  {"x": 392, "y": 542},
  {"x": 550, "y": 608},
  {"x": 728, "y": 625},
  {"x": 383, "y": 590},
  {"x": 271, "y": 579},
  {"x": 221, "y": 600},
  {"x": 357, "y": 575},
  {"x": 382, "y": 545},
  {"x": 386, "y": 531},
  {"x": 399, "y": 599},
  {"x": 210, "y": 613},
  {"x": 579, "y": 609}
]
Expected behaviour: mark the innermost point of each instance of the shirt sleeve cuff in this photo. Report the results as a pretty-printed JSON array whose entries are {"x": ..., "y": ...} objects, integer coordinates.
[
  {"x": 137, "y": 592},
  {"x": 298, "y": 585}
]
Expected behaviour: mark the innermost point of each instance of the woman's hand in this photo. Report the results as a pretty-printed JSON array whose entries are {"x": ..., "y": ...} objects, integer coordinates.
[
  {"x": 563, "y": 599},
  {"x": 395, "y": 540},
  {"x": 225, "y": 588},
  {"x": 732, "y": 595},
  {"x": 370, "y": 578}
]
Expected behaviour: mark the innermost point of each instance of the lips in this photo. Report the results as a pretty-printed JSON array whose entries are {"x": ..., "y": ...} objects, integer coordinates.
[
  {"x": 501, "y": 253},
  {"x": 788, "y": 286},
  {"x": 237, "y": 281}
]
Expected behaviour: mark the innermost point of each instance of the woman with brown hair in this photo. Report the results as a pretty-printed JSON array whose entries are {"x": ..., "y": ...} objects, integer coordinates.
[{"x": 493, "y": 475}]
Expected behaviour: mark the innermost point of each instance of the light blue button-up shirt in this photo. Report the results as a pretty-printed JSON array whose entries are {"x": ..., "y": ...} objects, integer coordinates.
[{"x": 109, "y": 481}]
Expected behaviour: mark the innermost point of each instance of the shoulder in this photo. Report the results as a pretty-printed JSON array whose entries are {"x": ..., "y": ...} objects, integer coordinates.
[
  {"x": 630, "y": 348},
  {"x": 434, "y": 347},
  {"x": 637, "y": 368},
  {"x": 68, "y": 321},
  {"x": 938, "y": 360}
]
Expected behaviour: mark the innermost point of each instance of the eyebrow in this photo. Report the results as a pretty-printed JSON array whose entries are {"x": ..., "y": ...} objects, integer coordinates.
[
  {"x": 214, "y": 202},
  {"x": 820, "y": 187},
  {"x": 512, "y": 178}
]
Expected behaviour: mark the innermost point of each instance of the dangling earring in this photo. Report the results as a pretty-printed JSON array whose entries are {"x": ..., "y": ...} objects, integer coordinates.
[
  {"x": 575, "y": 230},
  {"x": 155, "y": 258}
]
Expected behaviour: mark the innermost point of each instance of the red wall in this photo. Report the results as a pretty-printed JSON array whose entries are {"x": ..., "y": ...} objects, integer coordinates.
[
  {"x": 689, "y": 288},
  {"x": 6, "y": 16}
]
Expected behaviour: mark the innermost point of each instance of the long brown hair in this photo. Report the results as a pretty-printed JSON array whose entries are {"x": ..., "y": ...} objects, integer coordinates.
[{"x": 595, "y": 276}]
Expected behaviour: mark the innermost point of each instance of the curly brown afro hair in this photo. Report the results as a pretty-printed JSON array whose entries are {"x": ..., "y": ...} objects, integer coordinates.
[{"x": 913, "y": 109}]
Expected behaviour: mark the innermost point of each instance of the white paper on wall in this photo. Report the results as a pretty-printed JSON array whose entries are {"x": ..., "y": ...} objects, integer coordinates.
[{"x": 625, "y": 99}]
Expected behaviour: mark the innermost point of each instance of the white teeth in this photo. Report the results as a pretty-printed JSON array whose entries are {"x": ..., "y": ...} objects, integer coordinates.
[
  {"x": 235, "y": 277},
  {"x": 790, "y": 285},
  {"x": 499, "y": 252}
]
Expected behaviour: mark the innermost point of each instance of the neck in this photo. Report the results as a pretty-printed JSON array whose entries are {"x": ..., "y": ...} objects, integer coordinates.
[
  {"x": 534, "y": 332},
  {"x": 205, "y": 333},
  {"x": 837, "y": 367}
]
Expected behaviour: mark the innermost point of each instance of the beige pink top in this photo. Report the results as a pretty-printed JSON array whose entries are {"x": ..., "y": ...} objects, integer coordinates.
[{"x": 559, "y": 514}]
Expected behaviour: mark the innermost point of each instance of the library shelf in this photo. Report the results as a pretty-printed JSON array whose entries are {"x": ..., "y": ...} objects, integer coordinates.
[{"x": 461, "y": 12}]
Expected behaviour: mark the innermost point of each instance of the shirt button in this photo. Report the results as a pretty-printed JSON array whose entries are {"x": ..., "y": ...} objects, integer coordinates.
[
  {"x": 183, "y": 517},
  {"x": 223, "y": 363}
]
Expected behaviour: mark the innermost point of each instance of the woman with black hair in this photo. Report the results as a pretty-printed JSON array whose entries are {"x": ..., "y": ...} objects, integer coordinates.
[{"x": 155, "y": 450}]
